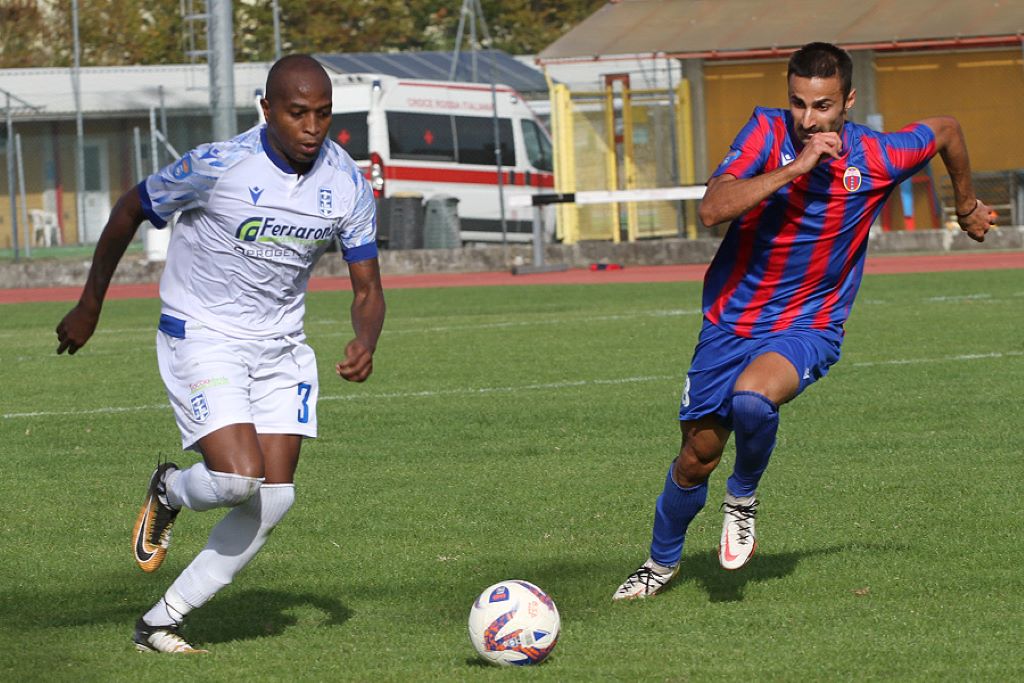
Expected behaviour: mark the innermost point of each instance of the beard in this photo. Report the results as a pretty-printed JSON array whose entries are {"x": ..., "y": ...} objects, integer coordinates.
[{"x": 804, "y": 134}]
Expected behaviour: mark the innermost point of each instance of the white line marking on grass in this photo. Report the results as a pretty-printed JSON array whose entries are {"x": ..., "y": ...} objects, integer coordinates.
[
  {"x": 87, "y": 411},
  {"x": 958, "y": 297},
  {"x": 49, "y": 332},
  {"x": 499, "y": 390},
  {"x": 552, "y": 321},
  {"x": 941, "y": 359},
  {"x": 404, "y": 330},
  {"x": 470, "y": 391}
]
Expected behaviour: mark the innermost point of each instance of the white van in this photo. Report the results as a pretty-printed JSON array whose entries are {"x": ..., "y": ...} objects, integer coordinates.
[{"x": 437, "y": 138}]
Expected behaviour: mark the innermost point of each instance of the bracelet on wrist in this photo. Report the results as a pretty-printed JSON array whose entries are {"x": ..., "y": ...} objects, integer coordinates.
[{"x": 977, "y": 203}]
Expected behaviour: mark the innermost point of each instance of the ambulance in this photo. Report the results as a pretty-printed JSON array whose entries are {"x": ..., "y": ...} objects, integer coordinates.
[{"x": 437, "y": 138}]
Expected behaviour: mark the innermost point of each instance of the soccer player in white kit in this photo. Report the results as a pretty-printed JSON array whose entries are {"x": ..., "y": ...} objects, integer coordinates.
[{"x": 256, "y": 213}]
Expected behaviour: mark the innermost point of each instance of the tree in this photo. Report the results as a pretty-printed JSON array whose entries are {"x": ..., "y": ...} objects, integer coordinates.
[
  {"x": 120, "y": 32},
  {"x": 23, "y": 35}
]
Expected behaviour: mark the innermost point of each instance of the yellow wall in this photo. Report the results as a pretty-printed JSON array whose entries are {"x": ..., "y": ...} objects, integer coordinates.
[
  {"x": 731, "y": 91},
  {"x": 983, "y": 89}
]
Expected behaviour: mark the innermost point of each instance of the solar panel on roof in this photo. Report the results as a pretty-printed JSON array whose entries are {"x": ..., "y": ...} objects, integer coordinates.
[{"x": 437, "y": 66}]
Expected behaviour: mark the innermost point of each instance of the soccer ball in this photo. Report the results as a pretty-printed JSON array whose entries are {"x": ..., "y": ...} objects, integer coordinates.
[{"x": 514, "y": 623}]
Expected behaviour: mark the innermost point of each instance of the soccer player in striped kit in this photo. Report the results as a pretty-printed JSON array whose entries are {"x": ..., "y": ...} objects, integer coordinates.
[{"x": 801, "y": 187}]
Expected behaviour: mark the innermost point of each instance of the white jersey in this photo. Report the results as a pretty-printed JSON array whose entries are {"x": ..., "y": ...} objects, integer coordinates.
[{"x": 250, "y": 232}]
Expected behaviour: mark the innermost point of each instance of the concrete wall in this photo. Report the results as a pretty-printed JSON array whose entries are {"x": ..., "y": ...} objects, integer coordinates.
[{"x": 135, "y": 269}]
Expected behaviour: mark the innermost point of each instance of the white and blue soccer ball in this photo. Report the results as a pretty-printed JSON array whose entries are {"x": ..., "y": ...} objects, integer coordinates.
[{"x": 514, "y": 623}]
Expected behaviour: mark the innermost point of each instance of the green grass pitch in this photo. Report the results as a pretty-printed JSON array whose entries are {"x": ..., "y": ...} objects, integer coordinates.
[{"x": 524, "y": 433}]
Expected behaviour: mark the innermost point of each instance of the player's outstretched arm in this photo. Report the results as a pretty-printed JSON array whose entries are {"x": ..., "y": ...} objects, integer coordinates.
[
  {"x": 973, "y": 215},
  {"x": 367, "y": 320},
  {"x": 80, "y": 322},
  {"x": 728, "y": 197}
]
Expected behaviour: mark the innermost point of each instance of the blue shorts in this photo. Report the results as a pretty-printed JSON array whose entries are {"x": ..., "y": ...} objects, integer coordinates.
[{"x": 721, "y": 356}]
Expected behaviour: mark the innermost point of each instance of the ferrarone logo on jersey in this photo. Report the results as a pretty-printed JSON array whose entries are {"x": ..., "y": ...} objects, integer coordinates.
[
  {"x": 266, "y": 229},
  {"x": 249, "y": 230}
]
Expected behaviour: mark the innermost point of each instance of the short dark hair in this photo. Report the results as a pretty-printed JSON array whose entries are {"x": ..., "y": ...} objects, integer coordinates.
[
  {"x": 822, "y": 60},
  {"x": 284, "y": 69}
]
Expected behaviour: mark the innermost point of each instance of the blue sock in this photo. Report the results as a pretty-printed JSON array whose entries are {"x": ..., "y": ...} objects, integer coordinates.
[
  {"x": 755, "y": 421},
  {"x": 675, "y": 509}
]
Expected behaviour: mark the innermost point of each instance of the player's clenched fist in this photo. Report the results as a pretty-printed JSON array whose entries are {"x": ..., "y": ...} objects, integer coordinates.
[
  {"x": 819, "y": 148},
  {"x": 75, "y": 329},
  {"x": 358, "y": 363}
]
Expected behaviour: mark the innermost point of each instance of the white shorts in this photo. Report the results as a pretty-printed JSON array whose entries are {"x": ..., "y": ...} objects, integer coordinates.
[{"x": 212, "y": 382}]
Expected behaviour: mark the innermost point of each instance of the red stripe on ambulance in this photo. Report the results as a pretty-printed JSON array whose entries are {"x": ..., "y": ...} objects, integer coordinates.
[{"x": 440, "y": 175}]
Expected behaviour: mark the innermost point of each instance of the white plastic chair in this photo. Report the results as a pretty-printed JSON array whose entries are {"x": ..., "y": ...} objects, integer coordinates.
[{"x": 45, "y": 229}]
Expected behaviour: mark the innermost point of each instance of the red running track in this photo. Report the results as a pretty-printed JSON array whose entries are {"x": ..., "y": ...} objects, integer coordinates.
[{"x": 675, "y": 273}]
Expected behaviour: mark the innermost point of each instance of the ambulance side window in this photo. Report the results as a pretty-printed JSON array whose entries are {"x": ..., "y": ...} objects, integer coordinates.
[
  {"x": 538, "y": 147},
  {"x": 426, "y": 137},
  {"x": 476, "y": 140},
  {"x": 351, "y": 132}
]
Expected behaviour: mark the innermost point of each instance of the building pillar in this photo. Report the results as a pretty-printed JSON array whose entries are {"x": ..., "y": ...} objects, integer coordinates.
[
  {"x": 693, "y": 71},
  {"x": 865, "y": 85}
]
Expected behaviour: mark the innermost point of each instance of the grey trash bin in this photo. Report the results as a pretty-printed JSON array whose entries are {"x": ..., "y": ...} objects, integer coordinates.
[
  {"x": 401, "y": 221},
  {"x": 441, "y": 229}
]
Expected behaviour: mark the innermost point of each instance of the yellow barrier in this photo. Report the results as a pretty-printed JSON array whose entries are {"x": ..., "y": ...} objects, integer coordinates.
[{"x": 621, "y": 138}]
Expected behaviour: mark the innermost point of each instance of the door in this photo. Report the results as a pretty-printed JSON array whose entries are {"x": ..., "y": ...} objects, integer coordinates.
[{"x": 96, "y": 198}]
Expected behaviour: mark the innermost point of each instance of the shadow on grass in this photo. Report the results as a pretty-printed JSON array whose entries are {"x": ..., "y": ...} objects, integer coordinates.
[
  {"x": 258, "y": 613},
  {"x": 728, "y": 586},
  {"x": 247, "y": 614}
]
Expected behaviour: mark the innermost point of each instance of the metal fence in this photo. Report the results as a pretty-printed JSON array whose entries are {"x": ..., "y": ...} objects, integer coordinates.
[
  {"x": 1002, "y": 190},
  {"x": 622, "y": 138}
]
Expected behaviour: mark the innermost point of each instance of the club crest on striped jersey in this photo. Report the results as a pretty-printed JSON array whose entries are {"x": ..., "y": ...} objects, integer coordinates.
[
  {"x": 852, "y": 179},
  {"x": 325, "y": 201}
]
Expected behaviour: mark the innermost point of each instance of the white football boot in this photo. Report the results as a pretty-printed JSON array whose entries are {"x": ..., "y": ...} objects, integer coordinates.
[
  {"x": 738, "y": 541},
  {"x": 650, "y": 578},
  {"x": 162, "y": 639}
]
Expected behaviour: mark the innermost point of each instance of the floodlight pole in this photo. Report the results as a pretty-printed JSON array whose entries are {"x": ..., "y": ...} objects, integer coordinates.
[
  {"x": 24, "y": 204},
  {"x": 153, "y": 149},
  {"x": 458, "y": 39},
  {"x": 137, "y": 140},
  {"x": 163, "y": 111},
  {"x": 275, "y": 5},
  {"x": 220, "y": 42},
  {"x": 12, "y": 150},
  {"x": 475, "y": 12},
  {"x": 79, "y": 134},
  {"x": 10, "y": 178}
]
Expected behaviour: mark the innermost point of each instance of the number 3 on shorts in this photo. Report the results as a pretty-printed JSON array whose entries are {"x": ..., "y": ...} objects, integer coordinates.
[{"x": 304, "y": 390}]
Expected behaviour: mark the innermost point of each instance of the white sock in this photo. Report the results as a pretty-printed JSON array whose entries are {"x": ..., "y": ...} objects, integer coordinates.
[
  {"x": 170, "y": 610},
  {"x": 199, "y": 488},
  {"x": 233, "y": 542}
]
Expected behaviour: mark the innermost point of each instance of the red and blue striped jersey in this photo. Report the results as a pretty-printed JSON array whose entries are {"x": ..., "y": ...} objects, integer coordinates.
[{"x": 796, "y": 259}]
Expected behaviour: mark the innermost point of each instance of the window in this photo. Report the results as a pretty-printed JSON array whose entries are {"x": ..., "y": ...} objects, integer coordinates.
[
  {"x": 351, "y": 132},
  {"x": 93, "y": 164},
  {"x": 476, "y": 140},
  {"x": 538, "y": 147},
  {"x": 426, "y": 137}
]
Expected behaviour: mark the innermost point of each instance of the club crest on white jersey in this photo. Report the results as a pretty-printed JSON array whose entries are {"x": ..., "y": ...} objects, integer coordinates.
[
  {"x": 326, "y": 201},
  {"x": 200, "y": 408}
]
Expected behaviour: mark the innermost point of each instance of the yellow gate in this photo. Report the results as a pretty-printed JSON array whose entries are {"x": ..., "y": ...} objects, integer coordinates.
[{"x": 622, "y": 139}]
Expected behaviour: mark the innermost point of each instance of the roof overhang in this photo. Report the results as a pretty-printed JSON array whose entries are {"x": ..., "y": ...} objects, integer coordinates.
[{"x": 744, "y": 29}]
